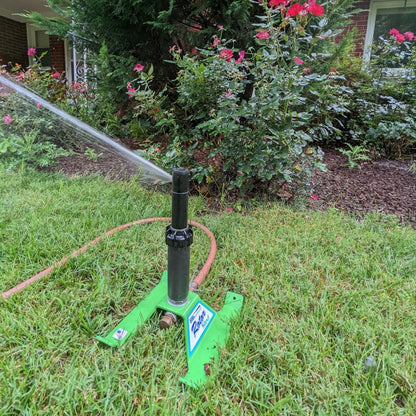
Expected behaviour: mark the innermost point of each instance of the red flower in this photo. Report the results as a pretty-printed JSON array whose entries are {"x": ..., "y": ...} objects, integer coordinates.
[
  {"x": 399, "y": 38},
  {"x": 138, "y": 67},
  {"x": 226, "y": 54},
  {"x": 56, "y": 75},
  {"x": 394, "y": 32},
  {"x": 315, "y": 9},
  {"x": 294, "y": 10},
  {"x": 263, "y": 34},
  {"x": 277, "y": 3}
]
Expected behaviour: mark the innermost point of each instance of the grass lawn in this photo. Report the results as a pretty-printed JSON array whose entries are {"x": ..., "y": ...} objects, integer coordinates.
[{"x": 322, "y": 293}]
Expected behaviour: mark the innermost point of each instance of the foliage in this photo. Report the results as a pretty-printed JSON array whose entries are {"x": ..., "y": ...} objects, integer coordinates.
[
  {"x": 225, "y": 133},
  {"x": 51, "y": 85},
  {"x": 91, "y": 154},
  {"x": 383, "y": 103},
  {"x": 28, "y": 141},
  {"x": 89, "y": 101},
  {"x": 355, "y": 154},
  {"x": 27, "y": 150}
]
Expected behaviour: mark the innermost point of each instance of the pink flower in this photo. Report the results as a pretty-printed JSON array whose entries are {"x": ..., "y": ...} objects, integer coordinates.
[
  {"x": 393, "y": 32},
  {"x": 229, "y": 209},
  {"x": 7, "y": 119},
  {"x": 38, "y": 105},
  {"x": 409, "y": 35},
  {"x": 240, "y": 57},
  {"x": 307, "y": 70},
  {"x": 75, "y": 86},
  {"x": 229, "y": 94},
  {"x": 298, "y": 61},
  {"x": 226, "y": 54},
  {"x": 314, "y": 197},
  {"x": 138, "y": 67},
  {"x": 220, "y": 27},
  {"x": 315, "y": 9},
  {"x": 173, "y": 48},
  {"x": 56, "y": 75},
  {"x": 130, "y": 90},
  {"x": 20, "y": 77},
  {"x": 294, "y": 10},
  {"x": 82, "y": 90},
  {"x": 216, "y": 42},
  {"x": 31, "y": 51},
  {"x": 263, "y": 34}
]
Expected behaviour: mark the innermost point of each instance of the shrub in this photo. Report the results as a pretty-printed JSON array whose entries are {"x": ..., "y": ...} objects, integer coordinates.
[
  {"x": 249, "y": 118},
  {"x": 383, "y": 103}
]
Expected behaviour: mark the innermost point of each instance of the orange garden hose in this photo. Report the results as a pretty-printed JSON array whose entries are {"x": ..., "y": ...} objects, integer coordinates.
[{"x": 193, "y": 286}]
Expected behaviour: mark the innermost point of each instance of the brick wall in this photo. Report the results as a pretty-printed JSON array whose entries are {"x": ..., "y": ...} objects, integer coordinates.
[
  {"x": 13, "y": 42},
  {"x": 57, "y": 52},
  {"x": 360, "y": 22}
]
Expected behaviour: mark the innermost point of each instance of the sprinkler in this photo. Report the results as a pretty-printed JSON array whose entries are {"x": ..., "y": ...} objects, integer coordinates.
[{"x": 205, "y": 329}]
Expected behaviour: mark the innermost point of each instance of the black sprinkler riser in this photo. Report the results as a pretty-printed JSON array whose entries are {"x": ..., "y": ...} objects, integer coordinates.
[
  {"x": 180, "y": 189},
  {"x": 179, "y": 237}
]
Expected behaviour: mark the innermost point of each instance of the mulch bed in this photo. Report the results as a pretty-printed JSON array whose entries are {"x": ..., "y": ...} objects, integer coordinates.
[{"x": 384, "y": 186}]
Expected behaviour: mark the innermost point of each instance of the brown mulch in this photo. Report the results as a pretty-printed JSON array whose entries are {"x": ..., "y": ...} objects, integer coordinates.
[
  {"x": 107, "y": 163},
  {"x": 384, "y": 186}
]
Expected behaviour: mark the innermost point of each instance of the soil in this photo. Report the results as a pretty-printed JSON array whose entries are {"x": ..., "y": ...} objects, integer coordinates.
[{"x": 384, "y": 186}]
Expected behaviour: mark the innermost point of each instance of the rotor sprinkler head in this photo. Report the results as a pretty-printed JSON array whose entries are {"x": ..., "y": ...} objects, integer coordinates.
[{"x": 179, "y": 237}]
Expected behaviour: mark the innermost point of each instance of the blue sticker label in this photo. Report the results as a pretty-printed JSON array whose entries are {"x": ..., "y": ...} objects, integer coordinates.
[{"x": 198, "y": 321}]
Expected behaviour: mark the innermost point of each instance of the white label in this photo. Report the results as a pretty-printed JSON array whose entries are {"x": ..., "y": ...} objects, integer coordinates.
[
  {"x": 198, "y": 321},
  {"x": 120, "y": 334}
]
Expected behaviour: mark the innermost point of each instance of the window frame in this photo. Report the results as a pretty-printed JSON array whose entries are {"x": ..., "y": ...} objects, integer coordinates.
[{"x": 371, "y": 23}]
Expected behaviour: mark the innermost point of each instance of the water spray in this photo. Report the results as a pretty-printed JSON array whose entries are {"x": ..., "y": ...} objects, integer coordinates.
[{"x": 148, "y": 172}]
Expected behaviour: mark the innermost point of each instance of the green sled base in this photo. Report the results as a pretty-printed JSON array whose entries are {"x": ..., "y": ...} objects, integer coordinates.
[{"x": 206, "y": 331}]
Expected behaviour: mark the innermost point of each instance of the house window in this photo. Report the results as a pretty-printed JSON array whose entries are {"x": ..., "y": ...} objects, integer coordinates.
[
  {"x": 40, "y": 40},
  {"x": 385, "y": 15},
  {"x": 42, "y": 47}
]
